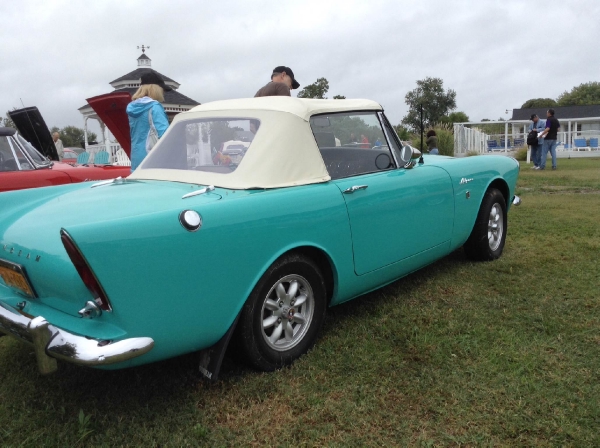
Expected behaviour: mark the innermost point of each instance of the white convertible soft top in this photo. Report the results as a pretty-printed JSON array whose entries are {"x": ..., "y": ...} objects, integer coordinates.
[{"x": 283, "y": 153}]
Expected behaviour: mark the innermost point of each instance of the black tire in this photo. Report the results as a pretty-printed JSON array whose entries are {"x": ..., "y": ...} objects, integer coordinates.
[
  {"x": 266, "y": 346},
  {"x": 488, "y": 236}
]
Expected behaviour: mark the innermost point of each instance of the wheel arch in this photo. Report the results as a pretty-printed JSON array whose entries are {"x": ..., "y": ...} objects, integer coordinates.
[
  {"x": 325, "y": 264},
  {"x": 501, "y": 185}
]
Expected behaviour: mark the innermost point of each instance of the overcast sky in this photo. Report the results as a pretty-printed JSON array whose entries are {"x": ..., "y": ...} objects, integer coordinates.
[{"x": 494, "y": 54}]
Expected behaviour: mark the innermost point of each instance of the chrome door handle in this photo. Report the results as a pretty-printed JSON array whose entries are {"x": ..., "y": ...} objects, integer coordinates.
[{"x": 355, "y": 188}]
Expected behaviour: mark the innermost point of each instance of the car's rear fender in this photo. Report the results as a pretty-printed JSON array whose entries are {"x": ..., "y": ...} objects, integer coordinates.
[{"x": 161, "y": 278}]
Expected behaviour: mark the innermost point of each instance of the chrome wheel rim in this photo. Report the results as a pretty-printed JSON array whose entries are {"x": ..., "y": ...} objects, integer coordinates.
[
  {"x": 287, "y": 312},
  {"x": 495, "y": 226}
]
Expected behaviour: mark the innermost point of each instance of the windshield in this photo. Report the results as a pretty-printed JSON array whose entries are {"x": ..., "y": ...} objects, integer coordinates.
[
  {"x": 32, "y": 152},
  {"x": 216, "y": 145}
]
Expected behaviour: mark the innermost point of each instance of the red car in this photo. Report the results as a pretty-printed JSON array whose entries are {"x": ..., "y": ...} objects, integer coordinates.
[
  {"x": 22, "y": 166},
  {"x": 28, "y": 158}
]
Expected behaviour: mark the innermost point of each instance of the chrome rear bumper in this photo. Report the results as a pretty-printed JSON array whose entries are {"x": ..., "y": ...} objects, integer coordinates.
[
  {"x": 516, "y": 200},
  {"x": 51, "y": 343}
]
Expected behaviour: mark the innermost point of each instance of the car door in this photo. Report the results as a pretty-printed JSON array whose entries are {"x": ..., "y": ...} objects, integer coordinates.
[
  {"x": 394, "y": 213},
  {"x": 397, "y": 214}
]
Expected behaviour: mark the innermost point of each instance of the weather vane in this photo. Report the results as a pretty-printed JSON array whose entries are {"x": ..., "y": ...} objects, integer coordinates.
[{"x": 144, "y": 48}]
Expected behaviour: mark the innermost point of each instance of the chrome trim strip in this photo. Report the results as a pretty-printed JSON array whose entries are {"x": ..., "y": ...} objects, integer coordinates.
[
  {"x": 118, "y": 180},
  {"x": 51, "y": 343},
  {"x": 197, "y": 192},
  {"x": 355, "y": 188}
]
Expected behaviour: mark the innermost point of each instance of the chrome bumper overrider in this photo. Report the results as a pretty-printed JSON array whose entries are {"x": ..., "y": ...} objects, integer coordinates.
[
  {"x": 51, "y": 343},
  {"x": 516, "y": 200}
]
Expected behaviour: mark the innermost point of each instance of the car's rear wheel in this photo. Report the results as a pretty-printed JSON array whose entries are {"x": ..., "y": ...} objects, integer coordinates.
[
  {"x": 283, "y": 315},
  {"x": 488, "y": 236}
]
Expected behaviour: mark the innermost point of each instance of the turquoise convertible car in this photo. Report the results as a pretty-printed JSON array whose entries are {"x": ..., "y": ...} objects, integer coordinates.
[{"x": 197, "y": 246}]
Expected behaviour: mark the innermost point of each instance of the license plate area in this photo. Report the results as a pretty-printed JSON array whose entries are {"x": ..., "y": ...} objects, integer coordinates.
[{"x": 14, "y": 276}]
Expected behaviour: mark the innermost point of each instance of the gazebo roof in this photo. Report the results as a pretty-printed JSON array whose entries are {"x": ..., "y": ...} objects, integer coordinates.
[
  {"x": 138, "y": 72},
  {"x": 171, "y": 97}
]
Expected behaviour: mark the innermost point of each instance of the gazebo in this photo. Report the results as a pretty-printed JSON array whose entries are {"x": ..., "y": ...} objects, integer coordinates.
[{"x": 175, "y": 102}]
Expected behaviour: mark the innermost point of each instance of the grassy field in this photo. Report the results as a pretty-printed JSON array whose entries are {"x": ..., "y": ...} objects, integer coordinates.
[{"x": 493, "y": 354}]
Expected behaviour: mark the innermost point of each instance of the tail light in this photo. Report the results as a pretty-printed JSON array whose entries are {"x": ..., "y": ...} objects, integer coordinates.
[{"x": 85, "y": 272}]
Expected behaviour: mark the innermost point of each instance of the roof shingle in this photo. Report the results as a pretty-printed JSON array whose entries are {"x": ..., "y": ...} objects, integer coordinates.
[
  {"x": 559, "y": 112},
  {"x": 137, "y": 74},
  {"x": 171, "y": 97}
]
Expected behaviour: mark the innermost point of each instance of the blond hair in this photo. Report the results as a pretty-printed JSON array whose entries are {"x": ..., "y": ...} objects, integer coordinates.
[{"x": 154, "y": 91}]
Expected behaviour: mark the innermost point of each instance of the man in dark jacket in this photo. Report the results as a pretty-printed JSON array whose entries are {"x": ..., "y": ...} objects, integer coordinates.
[
  {"x": 282, "y": 81},
  {"x": 549, "y": 134}
]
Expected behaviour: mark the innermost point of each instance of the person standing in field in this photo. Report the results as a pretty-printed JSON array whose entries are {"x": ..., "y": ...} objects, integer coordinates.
[
  {"x": 538, "y": 126},
  {"x": 432, "y": 142},
  {"x": 59, "y": 146},
  {"x": 549, "y": 135}
]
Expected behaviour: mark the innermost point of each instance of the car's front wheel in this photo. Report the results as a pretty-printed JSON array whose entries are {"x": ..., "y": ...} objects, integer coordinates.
[
  {"x": 488, "y": 236},
  {"x": 283, "y": 315}
]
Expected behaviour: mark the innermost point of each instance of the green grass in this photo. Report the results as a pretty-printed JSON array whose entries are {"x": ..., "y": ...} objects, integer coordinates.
[{"x": 460, "y": 353}]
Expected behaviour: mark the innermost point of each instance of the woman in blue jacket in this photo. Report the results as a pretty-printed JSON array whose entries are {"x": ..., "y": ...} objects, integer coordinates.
[{"x": 147, "y": 98}]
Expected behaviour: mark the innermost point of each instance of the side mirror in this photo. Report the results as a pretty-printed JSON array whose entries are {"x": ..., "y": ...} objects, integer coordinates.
[{"x": 404, "y": 155}]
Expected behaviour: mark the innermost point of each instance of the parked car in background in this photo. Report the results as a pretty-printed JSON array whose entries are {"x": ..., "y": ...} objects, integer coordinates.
[
  {"x": 76, "y": 149},
  {"x": 234, "y": 150},
  {"x": 69, "y": 156},
  {"x": 187, "y": 252},
  {"x": 22, "y": 166}
]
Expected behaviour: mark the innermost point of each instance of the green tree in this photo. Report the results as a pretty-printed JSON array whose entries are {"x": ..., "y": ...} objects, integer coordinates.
[
  {"x": 455, "y": 117},
  {"x": 435, "y": 101},
  {"x": 220, "y": 132},
  {"x": 403, "y": 132},
  {"x": 317, "y": 89},
  {"x": 582, "y": 95},
  {"x": 538, "y": 102},
  {"x": 72, "y": 136},
  {"x": 7, "y": 122}
]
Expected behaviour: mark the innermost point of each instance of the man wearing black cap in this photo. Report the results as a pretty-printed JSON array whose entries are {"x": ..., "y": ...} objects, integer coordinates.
[
  {"x": 536, "y": 150},
  {"x": 282, "y": 81}
]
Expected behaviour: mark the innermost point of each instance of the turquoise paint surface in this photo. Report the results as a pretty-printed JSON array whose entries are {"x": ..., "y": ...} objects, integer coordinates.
[
  {"x": 401, "y": 213},
  {"x": 184, "y": 289}
]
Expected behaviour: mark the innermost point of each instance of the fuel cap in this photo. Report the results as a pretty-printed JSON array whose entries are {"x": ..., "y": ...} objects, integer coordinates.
[{"x": 190, "y": 220}]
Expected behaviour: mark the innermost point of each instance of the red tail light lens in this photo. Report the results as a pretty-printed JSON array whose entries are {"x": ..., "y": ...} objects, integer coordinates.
[{"x": 84, "y": 271}]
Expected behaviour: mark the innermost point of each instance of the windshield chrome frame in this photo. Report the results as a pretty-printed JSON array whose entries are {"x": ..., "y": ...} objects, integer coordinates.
[
  {"x": 384, "y": 125},
  {"x": 33, "y": 163},
  {"x": 9, "y": 138}
]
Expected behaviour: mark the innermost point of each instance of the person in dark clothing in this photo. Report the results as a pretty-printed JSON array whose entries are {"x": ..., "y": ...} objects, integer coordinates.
[
  {"x": 549, "y": 134},
  {"x": 282, "y": 81},
  {"x": 432, "y": 142}
]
